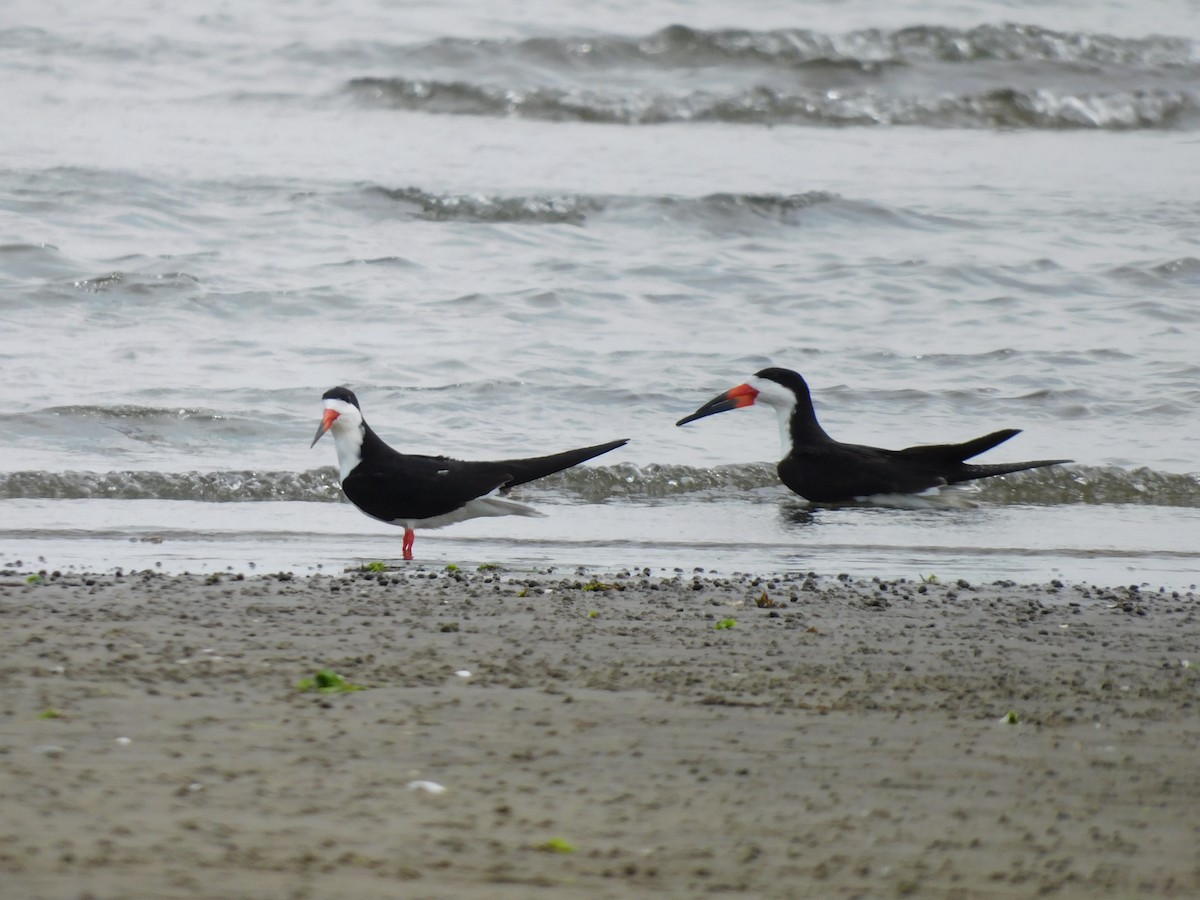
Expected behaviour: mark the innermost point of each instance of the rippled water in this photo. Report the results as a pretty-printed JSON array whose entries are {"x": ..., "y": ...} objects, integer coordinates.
[{"x": 520, "y": 232}]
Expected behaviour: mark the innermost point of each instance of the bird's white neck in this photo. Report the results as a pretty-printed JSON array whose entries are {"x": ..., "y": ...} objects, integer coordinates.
[
  {"x": 783, "y": 402},
  {"x": 348, "y": 430}
]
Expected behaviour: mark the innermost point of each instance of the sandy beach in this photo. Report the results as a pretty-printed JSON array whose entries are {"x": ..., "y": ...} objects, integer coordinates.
[{"x": 576, "y": 734}]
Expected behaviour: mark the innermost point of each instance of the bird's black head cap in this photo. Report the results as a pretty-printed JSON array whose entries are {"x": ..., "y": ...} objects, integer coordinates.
[
  {"x": 793, "y": 381},
  {"x": 341, "y": 393}
]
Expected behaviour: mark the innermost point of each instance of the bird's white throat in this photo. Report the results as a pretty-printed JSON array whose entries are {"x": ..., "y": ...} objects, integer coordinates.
[
  {"x": 348, "y": 431},
  {"x": 783, "y": 402}
]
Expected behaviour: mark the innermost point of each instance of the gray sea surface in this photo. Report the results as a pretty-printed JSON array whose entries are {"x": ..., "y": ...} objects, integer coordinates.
[{"x": 519, "y": 228}]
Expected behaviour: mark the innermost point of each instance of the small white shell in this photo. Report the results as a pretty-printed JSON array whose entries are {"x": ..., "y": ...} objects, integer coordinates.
[{"x": 430, "y": 787}]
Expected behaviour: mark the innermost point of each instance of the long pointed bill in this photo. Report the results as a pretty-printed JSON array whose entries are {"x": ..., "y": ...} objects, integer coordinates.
[
  {"x": 734, "y": 398},
  {"x": 326, "y": 423}
]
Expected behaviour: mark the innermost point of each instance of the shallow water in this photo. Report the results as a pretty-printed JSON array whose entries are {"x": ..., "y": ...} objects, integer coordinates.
[
  {"x": 1116, "y": 544},
  {"x": 517, "y": 232}
]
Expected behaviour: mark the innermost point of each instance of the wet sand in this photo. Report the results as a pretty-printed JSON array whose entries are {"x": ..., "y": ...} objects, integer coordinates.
[{"x": 618, "y": 734}]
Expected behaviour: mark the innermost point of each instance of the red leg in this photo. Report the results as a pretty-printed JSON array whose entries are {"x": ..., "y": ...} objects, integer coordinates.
[{"x": 409, "y": 537}]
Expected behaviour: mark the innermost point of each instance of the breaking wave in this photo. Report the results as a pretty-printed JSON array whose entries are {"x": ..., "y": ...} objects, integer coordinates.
[
  {"x": 599, "y": 484},
  {"x": 1003, "y": 107},
  {"x": 993, "y": 76},
  {"x": 679, "y": 46},
  {"x": 575, "y": 209}
]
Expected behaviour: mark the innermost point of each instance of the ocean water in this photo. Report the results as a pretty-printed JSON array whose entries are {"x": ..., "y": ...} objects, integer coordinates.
[{"x": 520, "y": 228}]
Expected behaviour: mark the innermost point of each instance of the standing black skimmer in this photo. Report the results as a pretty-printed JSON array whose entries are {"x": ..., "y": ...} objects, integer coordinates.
[
  {"x": 823, "y": 470},
  {"x": 428, "y": 491}
]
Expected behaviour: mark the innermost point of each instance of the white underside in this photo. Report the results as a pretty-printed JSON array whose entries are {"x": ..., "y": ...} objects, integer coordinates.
[
  {"x": 948, "y": 496},
  {"x": 480, "y": 507}
]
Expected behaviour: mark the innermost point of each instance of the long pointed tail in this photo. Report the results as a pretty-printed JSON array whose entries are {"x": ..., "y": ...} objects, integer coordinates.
[
  {"x": 971, "y": 472},
  {"x": 948, "y": 454},
  {"x": 524, "y": 470},
  {"x": 968, "y": 449}
]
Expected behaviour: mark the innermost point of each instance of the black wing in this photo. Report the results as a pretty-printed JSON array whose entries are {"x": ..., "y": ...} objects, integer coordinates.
[
  {"x": 419, "y": 487},
  {"x": 845, "y": 471}
]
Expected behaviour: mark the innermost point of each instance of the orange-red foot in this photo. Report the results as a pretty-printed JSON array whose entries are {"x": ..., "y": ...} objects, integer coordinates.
[{"x": 407, "y": 545}]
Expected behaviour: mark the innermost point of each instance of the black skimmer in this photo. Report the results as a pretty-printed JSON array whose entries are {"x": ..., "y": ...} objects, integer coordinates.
[
  {"x": 428, "y": 491},
  {"x": 823, "y": 470}
]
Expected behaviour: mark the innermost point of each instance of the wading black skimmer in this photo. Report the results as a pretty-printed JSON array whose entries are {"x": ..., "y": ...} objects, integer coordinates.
[
  {"x": 428, "y": 491},
  {"x": 823, "y": 470}
]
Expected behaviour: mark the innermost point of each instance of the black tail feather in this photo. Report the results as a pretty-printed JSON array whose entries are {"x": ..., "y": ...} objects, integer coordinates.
[
  {"x": 968, "y": 449},
  {"x": 525, "y": 470},
  {"x": 971, "y": 472},
  {"x": 948, "y": 454}
]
